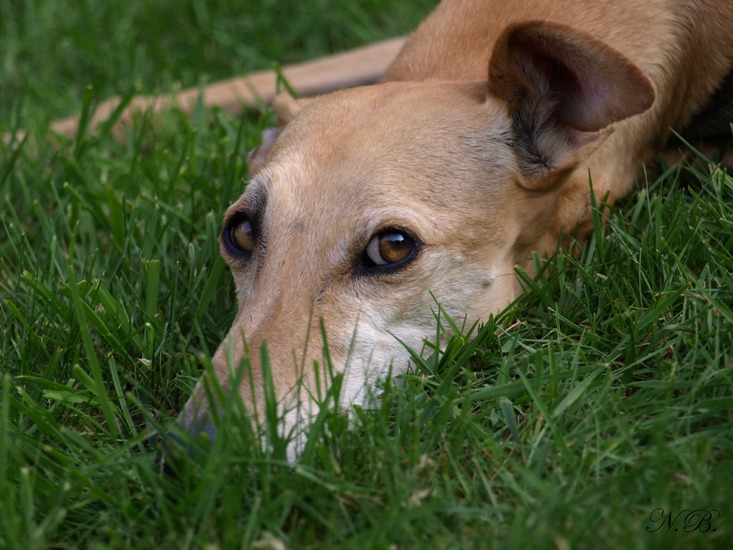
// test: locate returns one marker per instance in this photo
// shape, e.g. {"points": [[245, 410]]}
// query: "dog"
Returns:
{"points": [[476, 148], [363, 65]]}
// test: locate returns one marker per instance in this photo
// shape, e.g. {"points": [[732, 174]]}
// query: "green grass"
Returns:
{"points": [[604, 394]]}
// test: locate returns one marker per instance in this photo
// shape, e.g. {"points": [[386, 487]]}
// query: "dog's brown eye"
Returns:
{"points": [[242, 236], [390, 247]]}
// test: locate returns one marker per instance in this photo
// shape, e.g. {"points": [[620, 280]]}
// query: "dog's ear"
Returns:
{"points": [[285, 108], [564, 88], [257, 156]]}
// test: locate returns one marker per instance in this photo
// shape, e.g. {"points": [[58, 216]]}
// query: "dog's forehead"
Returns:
{"points": [[298, 193], [372, 139], [405, 154], [385, 111]]}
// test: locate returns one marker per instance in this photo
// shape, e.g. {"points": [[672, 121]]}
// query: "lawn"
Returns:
{"points": [[595, 412]]}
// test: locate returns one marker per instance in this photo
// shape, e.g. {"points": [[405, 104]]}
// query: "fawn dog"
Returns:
{"points": [[475, 149]]}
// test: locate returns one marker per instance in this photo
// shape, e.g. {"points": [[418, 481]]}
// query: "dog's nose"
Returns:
{"points": [[184, 443]]}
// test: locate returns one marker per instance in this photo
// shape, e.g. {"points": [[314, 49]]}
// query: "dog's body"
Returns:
{"points": [[474, 151]]}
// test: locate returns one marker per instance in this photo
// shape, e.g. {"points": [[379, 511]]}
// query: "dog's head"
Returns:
{"points": [[373, 203]]}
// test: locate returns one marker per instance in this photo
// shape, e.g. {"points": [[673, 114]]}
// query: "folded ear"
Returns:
{"points": [[564, 88], [285, 108], [256, 157]]}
